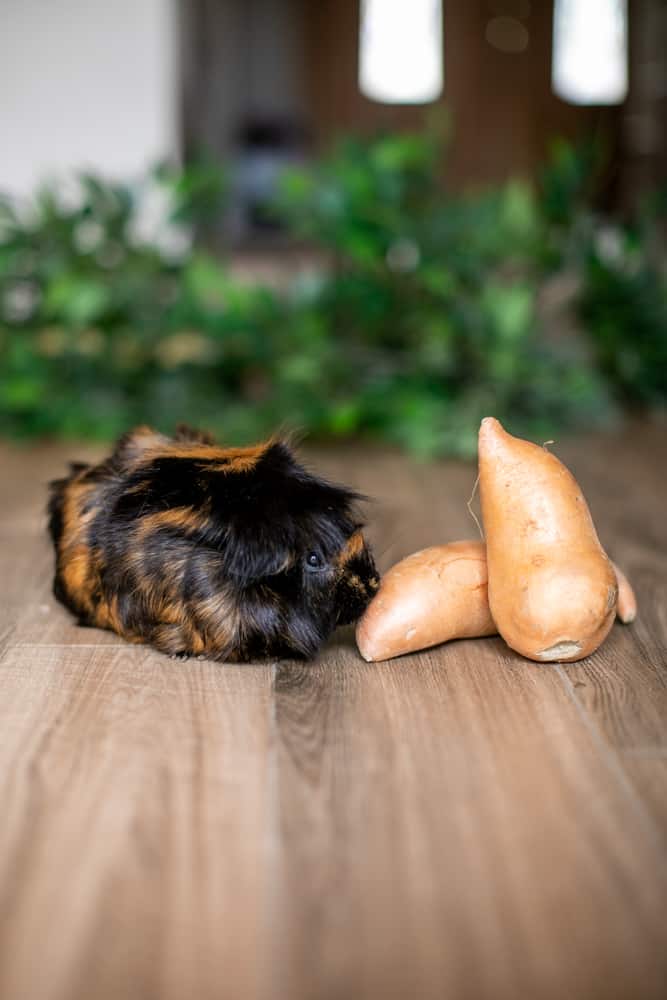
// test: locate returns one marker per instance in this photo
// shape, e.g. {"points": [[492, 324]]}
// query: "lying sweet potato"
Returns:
{"points": [[431, 596]]}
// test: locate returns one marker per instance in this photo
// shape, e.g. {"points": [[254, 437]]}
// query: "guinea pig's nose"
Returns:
{"points": [[354, 596]]}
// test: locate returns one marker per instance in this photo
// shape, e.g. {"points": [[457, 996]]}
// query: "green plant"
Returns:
{"points": [[431, 300], [426, 317], [620, 270], [109, 317], [623, 305]]}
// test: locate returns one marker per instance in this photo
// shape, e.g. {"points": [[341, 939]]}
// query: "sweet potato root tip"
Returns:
{"points": [[627, 602]]}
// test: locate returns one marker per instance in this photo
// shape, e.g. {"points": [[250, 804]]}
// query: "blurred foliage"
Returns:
{"points": [[623, 305], [620, 269], [621, 272], [426, 320], [433, 299], [109, 317]]}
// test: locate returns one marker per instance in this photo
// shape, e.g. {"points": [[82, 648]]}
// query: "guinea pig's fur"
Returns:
{"points": [[224, 553]]}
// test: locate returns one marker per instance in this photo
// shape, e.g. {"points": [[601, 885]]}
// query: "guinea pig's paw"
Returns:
{"points": [[179, 656]]}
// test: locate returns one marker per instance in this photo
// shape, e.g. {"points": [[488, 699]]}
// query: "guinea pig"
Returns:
{"points": [[224, 553]]}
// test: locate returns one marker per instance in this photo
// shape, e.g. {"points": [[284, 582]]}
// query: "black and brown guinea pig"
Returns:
{"points": [[200, 550]]}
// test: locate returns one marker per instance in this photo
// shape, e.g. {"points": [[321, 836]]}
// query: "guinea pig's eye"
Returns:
{"points": [[314, 560]]}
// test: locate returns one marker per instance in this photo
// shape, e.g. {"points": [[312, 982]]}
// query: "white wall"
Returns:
{"points": [[85, 83]]}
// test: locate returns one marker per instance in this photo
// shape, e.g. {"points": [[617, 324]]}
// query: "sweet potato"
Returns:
{"points": [[461, 581], [431, 596], [626, 608], [552, 589]]}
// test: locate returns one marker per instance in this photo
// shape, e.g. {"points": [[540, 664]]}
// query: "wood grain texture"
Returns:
{"points": [[459, 823], [624, 685]]}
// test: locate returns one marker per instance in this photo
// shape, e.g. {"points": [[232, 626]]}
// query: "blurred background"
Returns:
{"points": [[358, 218]]}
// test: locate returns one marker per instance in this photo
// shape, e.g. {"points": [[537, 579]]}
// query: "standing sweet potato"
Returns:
{"points": [[552, 589]]}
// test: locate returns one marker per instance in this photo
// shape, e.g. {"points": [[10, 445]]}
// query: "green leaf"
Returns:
{"points": [[76, 300]]}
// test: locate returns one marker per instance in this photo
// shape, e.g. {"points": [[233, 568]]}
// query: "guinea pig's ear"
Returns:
{"points": [[254, 542], [249, 556], [133, 444], [192, 435], [290, 493]]}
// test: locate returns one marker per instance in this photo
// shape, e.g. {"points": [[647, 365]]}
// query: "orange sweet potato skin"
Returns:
{"points": [[552, 589], [434, 595], [451, 581], [627, 602]]}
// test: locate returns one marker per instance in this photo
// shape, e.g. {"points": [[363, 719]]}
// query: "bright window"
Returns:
{"points": [[400, 51], [590, 51]]}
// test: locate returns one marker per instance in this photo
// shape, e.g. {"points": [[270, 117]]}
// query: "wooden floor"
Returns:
{"points": [[460, 824]]}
